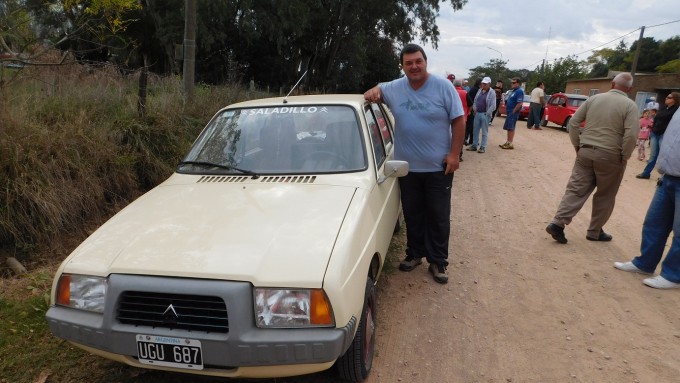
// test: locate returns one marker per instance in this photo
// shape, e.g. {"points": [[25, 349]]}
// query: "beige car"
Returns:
{"points": [[257, 258]]}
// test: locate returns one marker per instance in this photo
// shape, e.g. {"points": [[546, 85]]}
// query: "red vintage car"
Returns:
{"points": [[561, 107]]}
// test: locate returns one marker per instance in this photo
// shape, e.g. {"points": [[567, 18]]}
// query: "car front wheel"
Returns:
{"points": [[356, 363]]}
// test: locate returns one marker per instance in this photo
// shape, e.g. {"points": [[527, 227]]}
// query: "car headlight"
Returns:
{"points": [[292, 308], [81, 292]]}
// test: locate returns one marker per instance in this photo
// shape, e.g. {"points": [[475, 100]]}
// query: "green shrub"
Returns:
{"points": [[74, 149]]}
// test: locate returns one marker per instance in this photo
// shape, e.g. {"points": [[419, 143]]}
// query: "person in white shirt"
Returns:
{"points": [[536, 105], [652, 104]]}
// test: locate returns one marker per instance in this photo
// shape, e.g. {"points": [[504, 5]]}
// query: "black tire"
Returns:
{"points": [[544, 122], [356, 363], [566, 124]]}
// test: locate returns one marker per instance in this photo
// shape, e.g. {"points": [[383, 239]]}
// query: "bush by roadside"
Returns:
{"points": [[73, 148]]}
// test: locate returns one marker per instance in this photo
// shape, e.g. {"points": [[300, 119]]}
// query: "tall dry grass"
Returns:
{"points": [[73, 149]]}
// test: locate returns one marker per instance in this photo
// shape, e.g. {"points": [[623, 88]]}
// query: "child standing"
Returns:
{"points": [[645, 128]]}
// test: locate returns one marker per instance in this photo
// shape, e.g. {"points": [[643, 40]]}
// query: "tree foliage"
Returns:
{"points": [[341, 45]]}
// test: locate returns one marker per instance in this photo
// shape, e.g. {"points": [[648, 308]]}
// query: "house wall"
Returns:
{"points": [[644, 86]]}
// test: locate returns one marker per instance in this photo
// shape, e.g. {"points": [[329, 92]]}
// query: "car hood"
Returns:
{"points": [[279, 234]]}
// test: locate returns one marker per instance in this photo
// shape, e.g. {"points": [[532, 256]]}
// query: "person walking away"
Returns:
{"points": [[663, 217], [603, 148], [483, 105], [499, 96], [661, 120], [536, 105], [513, 104], [465, 100], [429, 135], [645, 129], [469, 123]]}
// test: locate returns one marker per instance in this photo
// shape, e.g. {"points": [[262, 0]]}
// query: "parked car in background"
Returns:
{"points": [[257, 258], [523, 113], [560, 107]]}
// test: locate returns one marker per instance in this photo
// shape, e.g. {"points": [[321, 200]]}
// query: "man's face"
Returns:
{"points": [[486, 86], [414, 66], [514, 84]]}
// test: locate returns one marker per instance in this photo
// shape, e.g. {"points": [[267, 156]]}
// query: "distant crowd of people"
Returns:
{"points": [[437, 118]]}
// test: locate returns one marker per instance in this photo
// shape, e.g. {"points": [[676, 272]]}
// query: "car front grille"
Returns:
{"points": [[174, 311]]}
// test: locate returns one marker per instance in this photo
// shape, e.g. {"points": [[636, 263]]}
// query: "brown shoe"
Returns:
{"points": [[438, 273]]}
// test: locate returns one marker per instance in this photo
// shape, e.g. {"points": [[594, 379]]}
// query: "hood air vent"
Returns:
{"points": [[269, 179]]}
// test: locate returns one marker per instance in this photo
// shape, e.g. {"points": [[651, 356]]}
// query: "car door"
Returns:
{"points": [[560, 109], [385, 198]]}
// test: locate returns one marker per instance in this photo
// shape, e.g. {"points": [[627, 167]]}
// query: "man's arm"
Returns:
{"points": [[518, 106], [575, 125], [374, 94], [631, 129], [452, 160], [491, 104]]}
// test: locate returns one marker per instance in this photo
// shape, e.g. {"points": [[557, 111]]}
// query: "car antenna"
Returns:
{"points": [[294, 86]]}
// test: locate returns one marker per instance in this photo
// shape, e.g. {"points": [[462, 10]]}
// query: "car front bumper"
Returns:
{"points": [[245, 350]]}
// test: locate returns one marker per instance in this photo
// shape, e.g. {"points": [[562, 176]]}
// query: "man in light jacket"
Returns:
{"points": [[484, 107]]}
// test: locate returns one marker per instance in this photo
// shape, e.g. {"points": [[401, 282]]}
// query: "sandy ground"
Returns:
{"points": [[520, 307]]}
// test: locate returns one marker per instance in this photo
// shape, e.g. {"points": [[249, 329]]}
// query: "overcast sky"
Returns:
{"points": [[525, 32]]}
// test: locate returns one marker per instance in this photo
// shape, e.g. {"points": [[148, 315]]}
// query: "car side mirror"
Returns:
{"points": [[394, 168]]}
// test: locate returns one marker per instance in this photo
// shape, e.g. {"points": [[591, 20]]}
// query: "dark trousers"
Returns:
{"points": [[426, 201], [469, 127], [535, 115]]}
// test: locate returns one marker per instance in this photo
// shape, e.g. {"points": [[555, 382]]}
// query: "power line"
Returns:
{"points": [[658, 25], [607, 43], [611, 41]]}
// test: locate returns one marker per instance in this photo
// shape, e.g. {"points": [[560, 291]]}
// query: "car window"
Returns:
{"points": [[576, 102], [379, 152], [527, 98], [297, 139], [385, 129]]}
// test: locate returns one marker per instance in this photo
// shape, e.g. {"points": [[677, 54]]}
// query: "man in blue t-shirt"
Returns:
{"points": [[513, 104], [429, 133]]}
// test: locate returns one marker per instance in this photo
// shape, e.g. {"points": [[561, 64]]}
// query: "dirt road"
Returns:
{"points": [[520, 307]]}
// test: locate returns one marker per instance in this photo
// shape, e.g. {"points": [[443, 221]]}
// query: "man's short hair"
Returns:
{"points": [[623, 79], [458, 82], [539, 83], [411, 48], [517, 80]]}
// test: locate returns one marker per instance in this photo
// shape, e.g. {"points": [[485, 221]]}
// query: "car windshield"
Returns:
{"points": [[279, 140]]}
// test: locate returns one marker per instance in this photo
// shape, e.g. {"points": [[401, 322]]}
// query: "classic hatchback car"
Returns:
{"points": [[561, 107], [257, 258]]}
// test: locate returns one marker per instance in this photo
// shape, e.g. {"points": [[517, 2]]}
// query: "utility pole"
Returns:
{"points": [[189, 47], [633, 68]]}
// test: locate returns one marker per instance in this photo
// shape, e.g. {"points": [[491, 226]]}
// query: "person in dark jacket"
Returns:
{"points": [[661, 120], [469, 123]]}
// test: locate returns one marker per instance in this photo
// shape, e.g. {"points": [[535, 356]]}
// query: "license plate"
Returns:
{"points": [[169, 352]]}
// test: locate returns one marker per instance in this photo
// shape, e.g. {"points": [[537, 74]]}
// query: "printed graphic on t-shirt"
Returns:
{"points": [[410, 105]]}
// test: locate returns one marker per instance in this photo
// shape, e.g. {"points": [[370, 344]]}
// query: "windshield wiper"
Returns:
{"points": [[213, 165]]}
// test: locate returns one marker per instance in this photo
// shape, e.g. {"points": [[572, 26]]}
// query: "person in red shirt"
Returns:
{"points": [[464, 99]]}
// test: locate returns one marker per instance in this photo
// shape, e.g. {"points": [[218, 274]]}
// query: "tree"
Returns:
{"points": [[495, 68], [557, 74], [606, 59], [669, 51], [649, 57]]}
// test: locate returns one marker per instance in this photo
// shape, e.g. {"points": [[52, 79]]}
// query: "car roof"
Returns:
{"points": [[356, 100], [571, 95]]}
